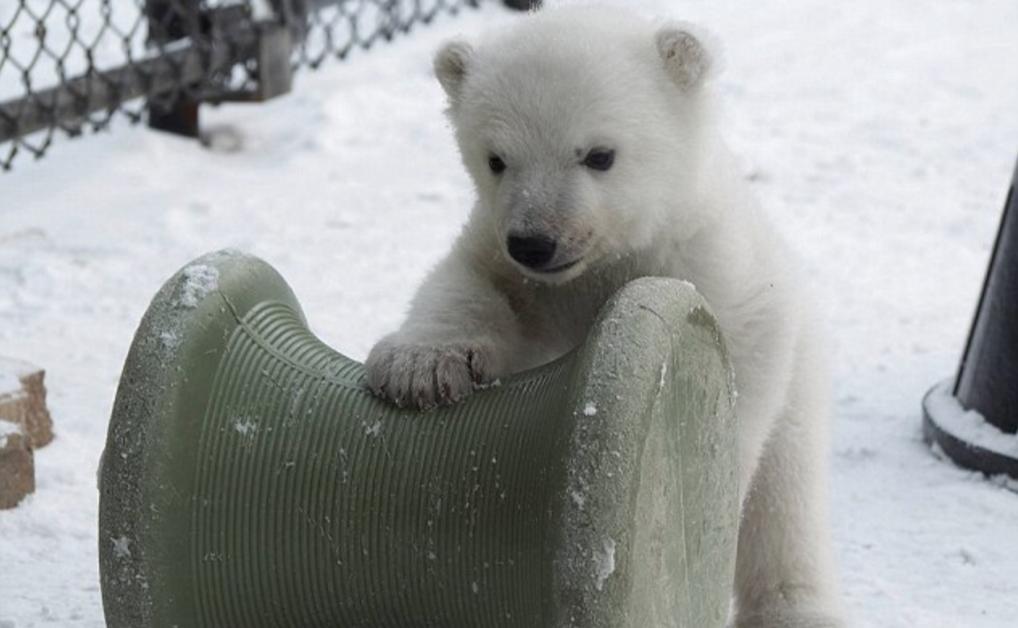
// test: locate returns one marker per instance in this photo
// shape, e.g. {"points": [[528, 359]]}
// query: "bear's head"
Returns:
{"points": [[584, 131]]}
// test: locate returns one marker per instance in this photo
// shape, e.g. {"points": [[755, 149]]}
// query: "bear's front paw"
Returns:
{"points": [[418, 375]]}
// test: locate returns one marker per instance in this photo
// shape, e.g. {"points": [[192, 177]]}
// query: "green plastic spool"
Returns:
{"points": [[250, 481]]}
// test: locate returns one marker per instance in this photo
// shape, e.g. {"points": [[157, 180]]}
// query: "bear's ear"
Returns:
{"points": [[451, 64], [687, 60]]}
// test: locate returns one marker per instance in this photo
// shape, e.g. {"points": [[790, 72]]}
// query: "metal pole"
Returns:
{"points": [[988, 375], [987, 380]]}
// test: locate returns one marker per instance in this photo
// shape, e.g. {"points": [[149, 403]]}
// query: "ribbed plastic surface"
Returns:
{"points": [[363, 498], [250, 481]]}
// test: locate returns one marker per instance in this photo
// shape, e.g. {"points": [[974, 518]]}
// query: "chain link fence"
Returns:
{"points": [[67, 66]]}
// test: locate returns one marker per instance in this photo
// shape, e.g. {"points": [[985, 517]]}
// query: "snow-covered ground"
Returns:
{"points": [[881, 136]]}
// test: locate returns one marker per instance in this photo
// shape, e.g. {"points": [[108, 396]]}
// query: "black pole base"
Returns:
{"points": [[523, 5], [942, 426]]}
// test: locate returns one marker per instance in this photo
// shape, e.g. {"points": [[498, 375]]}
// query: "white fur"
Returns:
{"points": [[539, 96]]}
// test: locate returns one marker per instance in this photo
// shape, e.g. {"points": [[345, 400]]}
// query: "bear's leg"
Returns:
{"points": [[459, 335], [784, 570]]}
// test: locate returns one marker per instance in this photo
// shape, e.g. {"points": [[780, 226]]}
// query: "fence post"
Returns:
{"points": [[169, 21], [523, 5]]}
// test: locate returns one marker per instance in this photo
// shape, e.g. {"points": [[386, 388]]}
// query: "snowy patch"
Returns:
{"points": [[170, 340], [604, 562], [486, 385], [9, 383], [1005, 482], [578, 498], [968, 425], [8, 429], [12, 370], [732, 386], [590, 409], [661, 378], [374, 429], [245, 426], [199, 281], [121, 547]]}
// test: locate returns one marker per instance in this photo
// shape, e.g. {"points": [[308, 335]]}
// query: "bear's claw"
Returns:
{"points": [[425, 376]]}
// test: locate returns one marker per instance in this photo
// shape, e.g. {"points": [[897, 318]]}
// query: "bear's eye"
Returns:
{"points": [[600, 159], [496, 164]]}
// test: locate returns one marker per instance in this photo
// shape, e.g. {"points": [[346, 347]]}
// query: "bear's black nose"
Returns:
{"points": [[531, 251]]}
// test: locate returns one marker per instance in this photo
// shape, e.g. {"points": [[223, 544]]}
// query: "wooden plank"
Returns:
{"points": [[23, 400], [17, 468]]}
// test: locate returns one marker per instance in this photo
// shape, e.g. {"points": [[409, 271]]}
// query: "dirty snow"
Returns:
{"points": [[880, 135]]}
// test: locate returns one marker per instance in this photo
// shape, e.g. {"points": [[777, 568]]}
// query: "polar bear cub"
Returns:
{"points": [[589, 135]]}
